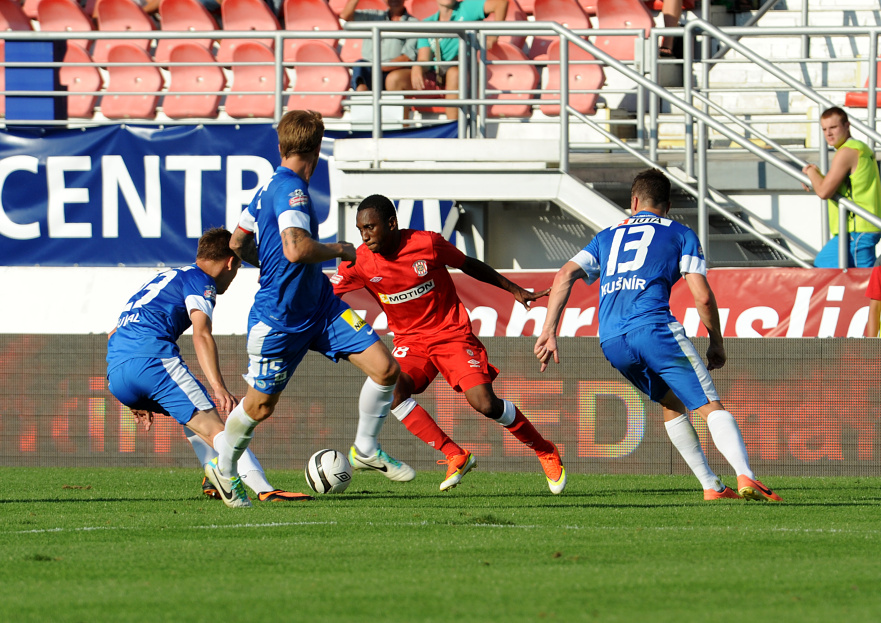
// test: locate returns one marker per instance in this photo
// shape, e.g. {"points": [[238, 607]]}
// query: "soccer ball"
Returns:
{"points": [[328, 471]]}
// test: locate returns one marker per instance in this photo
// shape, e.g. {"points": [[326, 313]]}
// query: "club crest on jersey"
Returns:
{"points": [[210, 293], [421, 267], [297, 198], [470, 352]]}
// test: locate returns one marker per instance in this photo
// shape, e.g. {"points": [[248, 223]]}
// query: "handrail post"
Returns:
{"points": [[564, 104], [376, 79], [463, 76], [872, 100], [279, 77], [843, 237], [688, 81]]}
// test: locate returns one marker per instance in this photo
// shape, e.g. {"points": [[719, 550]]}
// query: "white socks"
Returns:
{"points": [[726, 435], [252, 473], [373, 407], [404, 409], [203, 450], [686, 441], [233, 441], [249, 467], [508, 414]]}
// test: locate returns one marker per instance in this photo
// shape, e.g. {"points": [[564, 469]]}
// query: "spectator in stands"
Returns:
{"points": [[393, 49], [672, 12], [853, 174], [447, 48]]}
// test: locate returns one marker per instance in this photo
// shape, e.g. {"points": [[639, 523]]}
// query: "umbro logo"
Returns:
{"points": [[376, 280]]}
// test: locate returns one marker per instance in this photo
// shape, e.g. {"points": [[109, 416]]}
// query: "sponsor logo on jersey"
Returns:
{"points": [[376, 280], [407, 295], [298, 198], [210, 293], [354, 320], [643, 220], [631, 283], [421, 267]]}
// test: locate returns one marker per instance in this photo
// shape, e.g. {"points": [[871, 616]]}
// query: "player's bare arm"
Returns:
{"points": [[874, 323], [843, 164], [708, 310], [244, 244], [206, 353], [484, 272], [546, 345], [301, 248]]}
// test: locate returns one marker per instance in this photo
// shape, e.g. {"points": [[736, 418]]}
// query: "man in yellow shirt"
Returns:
{"points": [[854, 175]]}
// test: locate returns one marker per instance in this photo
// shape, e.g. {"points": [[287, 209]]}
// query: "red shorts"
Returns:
{"points": [[462, 361]]}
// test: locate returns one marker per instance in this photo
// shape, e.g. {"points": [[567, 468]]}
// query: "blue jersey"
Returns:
{"points": [[637, 262], [157, 315], [292, 296]]}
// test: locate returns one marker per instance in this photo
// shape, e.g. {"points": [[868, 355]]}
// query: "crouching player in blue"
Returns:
{"points": [[637, 262], [147, 374]]}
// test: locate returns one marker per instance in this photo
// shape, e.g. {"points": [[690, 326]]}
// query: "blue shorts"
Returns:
{"points": [[365, 75], [159, 385], [659, 357], [860, 252], [274, 354]]}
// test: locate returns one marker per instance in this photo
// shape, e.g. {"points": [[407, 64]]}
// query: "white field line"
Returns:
{"points": [[452, 525]]}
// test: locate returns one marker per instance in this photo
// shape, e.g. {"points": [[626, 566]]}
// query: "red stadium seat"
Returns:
{"points": [[337, 6], [252, 78], [657, 5], [860, 99], [80, 79], [209, 79], [183, 15], [514, 14], [420, 9], [308, 15], [64, 16], [143, 78], [12, 17], [622, 14], [581, 77], [29, 8], [589, 6], [326, 78], [565, 12], [528, 6], [119, 16], [510, 78], [245, 15]]}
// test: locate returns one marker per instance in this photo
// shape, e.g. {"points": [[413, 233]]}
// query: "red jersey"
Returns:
{"points": [[412, 286]]}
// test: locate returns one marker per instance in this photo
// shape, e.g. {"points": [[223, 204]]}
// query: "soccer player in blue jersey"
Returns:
{"points": [[146, 372], [637, 262], [295, 309]]}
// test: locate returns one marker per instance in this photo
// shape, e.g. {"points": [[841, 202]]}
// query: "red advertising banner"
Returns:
{"points": [[772, 302]]}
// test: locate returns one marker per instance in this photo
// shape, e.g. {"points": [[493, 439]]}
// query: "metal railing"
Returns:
{"points": [[696, 100]]}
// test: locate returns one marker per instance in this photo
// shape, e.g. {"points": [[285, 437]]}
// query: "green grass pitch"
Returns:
{"points": [[91, 545]]}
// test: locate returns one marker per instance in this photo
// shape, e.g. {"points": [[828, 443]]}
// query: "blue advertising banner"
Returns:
{"points": [[138, 196]]}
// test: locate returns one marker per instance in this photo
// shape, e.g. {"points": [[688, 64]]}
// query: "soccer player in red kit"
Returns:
{"points": [[406, 272]]}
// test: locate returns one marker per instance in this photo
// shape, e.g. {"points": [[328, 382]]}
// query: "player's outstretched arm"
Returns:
{"points": [[484, 272], [708, 310], [546, 345], [244, 244], [206, 353], [301, 248]]}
